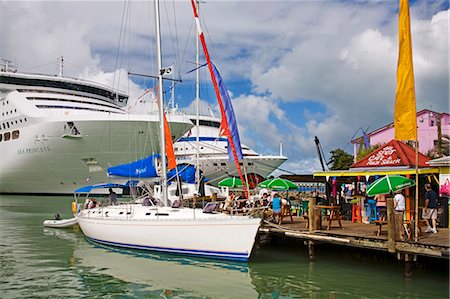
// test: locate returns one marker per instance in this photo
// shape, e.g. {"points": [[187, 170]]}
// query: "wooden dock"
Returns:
{"points": [[362, 235], [318, 227]]}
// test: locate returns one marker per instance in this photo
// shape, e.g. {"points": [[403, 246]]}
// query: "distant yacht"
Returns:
{"points": [[58, 133], [214, 161]]}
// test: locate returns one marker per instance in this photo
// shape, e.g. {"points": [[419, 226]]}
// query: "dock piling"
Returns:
{"points": [[391, 225], [311, 255]]}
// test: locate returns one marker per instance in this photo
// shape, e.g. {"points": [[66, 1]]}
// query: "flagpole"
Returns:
{"points": [[405, 114], [416, 206]]}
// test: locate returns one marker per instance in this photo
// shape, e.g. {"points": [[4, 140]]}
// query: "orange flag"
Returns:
{"points": [[405, 122], [171, 162], [170, 154]]}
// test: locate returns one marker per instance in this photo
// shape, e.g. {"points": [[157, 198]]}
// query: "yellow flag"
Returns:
{"points": [[405, 122]]}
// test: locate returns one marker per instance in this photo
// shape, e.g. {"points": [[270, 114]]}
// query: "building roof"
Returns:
{"points": [[442, 162], [393, 154]]}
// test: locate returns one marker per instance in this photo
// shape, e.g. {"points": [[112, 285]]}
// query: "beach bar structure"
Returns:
{"points": [[324, 225], [394, 158]]}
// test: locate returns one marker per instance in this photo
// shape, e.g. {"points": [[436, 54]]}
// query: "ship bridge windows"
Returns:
{"points": [[76, 108], [75, 101], [7, 136], [65, 85], [207, 123], [15, 134]]}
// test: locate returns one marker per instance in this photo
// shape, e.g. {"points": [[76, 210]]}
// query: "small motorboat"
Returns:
{"points": [[61, 223]]}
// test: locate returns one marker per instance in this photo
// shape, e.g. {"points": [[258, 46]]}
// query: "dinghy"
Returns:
{"points": [[61, 223]]}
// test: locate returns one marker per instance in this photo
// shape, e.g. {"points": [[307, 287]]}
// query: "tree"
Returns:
{"points": [[340, 159], [441, 147], [364, 152]]}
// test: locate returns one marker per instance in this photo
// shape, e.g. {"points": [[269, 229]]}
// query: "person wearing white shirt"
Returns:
{"points": [[399, 208], [399, 202]]}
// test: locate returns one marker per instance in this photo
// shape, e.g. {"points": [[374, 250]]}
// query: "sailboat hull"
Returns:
{"points": [[170, 230]]}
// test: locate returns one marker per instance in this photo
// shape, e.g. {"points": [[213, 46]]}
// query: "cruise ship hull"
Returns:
{"points": [[57, 134], [45, 160]]}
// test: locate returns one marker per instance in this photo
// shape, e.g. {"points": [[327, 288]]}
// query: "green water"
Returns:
{"points": [[38, 262]]}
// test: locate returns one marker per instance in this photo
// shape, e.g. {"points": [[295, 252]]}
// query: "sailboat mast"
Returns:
{"points": [[161, 105], [197, 105]]}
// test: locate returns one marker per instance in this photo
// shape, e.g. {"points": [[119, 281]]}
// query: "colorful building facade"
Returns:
{"points": [[427, 130]]}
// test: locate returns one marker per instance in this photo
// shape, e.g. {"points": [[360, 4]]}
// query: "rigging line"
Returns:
{"points": [[176, 44], [122, 24], [72, 64], [125, 37], [174, 41], [37, 66], [122, 43], [188, 39]]}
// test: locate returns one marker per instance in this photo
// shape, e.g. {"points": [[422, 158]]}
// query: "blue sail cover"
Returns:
{"points": [[88, 189], [186, 173], [144, 168], [231, 120]]}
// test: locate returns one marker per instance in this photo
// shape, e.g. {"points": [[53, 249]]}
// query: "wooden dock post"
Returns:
{"points": [[408, 265], [214, 197], [312, 214], [311, 256], [391, 225]]}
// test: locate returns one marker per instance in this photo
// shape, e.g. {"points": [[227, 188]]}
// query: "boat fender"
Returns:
{"points": [[74, 207]]}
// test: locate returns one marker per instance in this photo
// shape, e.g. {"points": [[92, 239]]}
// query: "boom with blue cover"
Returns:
{"points": [[143, 168]]}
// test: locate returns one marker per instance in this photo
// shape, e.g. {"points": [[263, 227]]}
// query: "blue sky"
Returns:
{"points": [[295, 69]]}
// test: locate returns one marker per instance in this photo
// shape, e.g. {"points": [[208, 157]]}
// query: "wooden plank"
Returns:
{"points": [[317, 237], [414, 249]]}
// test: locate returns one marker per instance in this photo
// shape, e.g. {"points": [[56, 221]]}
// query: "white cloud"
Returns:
{"points": [[341, 55]]}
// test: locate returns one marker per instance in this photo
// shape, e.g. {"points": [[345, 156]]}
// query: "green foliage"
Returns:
{"points": [[364, 152], [441, 147], [340, 159]]}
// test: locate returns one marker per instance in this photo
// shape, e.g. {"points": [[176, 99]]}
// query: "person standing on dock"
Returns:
{"points": [[429, 209], [381, 206], [399, 208], [399, 202], [276, 207]]}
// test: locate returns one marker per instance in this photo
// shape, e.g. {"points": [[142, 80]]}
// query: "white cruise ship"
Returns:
{"points": [[213, 153], [59, 133]]}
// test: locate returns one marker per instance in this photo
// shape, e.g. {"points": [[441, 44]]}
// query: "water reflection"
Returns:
{"points": [[46, 263], [168, 274]]}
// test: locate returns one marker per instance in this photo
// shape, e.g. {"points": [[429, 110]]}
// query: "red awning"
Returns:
{"points": [[393, 154]]}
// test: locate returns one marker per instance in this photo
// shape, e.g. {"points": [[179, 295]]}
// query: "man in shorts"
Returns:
{"points": [[430, 209]]}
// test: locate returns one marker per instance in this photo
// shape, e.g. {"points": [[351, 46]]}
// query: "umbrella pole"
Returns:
{"points": [[416, 208]]}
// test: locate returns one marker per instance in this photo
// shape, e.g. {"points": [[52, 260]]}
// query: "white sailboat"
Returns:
{"points": [[174, 230]]}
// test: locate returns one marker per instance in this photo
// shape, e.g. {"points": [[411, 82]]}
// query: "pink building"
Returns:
{"points": [[427, 130]]}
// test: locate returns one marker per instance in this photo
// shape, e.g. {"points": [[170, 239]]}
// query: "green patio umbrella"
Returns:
{"points": [[388, 184], [278, 184], [231, 182]]}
